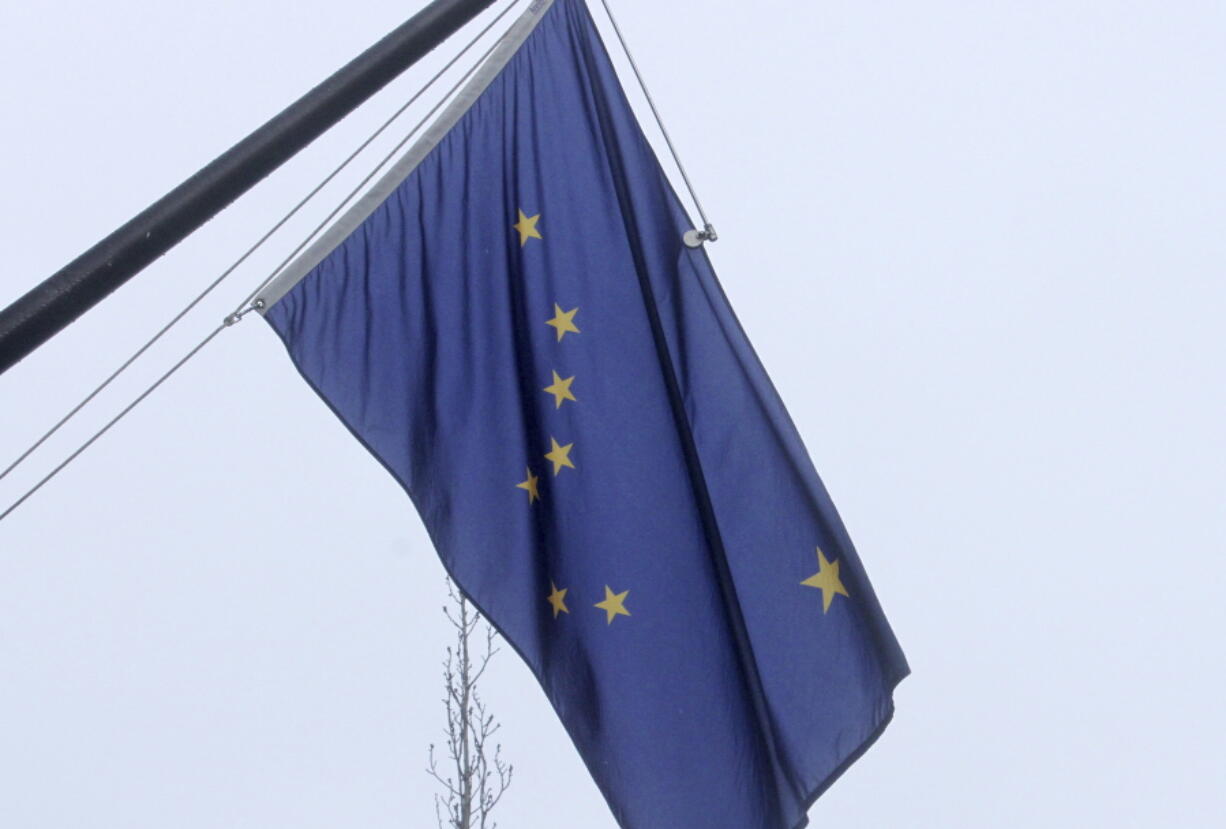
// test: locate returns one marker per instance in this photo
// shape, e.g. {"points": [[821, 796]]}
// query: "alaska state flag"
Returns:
{"points": [[512, 324]]}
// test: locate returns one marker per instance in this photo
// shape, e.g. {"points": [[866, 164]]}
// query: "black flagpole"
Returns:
{"points": [[48, 308]]}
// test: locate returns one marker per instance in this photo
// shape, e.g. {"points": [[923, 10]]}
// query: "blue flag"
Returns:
{"points": [[514, 327]]}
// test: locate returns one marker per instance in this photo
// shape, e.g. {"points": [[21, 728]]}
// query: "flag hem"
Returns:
{"points": [[829, 780]]}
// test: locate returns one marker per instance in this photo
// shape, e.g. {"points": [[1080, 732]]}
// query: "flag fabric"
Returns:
{"points": [[515, 329]]}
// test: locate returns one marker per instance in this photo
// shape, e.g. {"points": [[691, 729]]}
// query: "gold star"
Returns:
{"points": [[557, 599], [527, 228], [530, 485], [826, 579], [560, 455], [561, 390], [613, 604], [564, 321]]}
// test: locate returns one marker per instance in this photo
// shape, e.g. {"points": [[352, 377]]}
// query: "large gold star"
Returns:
{"points": [[561, 390], [557, 599], [527, 228], [560, 455], [530, 485], [826, 579], [614, 603], [564, 321]]}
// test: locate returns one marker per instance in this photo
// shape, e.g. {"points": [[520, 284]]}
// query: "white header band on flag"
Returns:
{"points": [[331, 238]]}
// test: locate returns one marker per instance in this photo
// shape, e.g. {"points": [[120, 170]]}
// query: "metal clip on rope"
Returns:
{"points": [[237, 316], [695, 238], [692, 238]]}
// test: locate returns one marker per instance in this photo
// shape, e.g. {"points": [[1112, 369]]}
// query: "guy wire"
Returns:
{"points": [[246, 306], [281, 223]]}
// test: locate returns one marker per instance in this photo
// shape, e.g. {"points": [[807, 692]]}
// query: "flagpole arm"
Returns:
{"points": [[49, 307]]}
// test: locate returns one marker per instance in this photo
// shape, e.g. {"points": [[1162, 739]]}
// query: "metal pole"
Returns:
{"points": [[45, 310]]}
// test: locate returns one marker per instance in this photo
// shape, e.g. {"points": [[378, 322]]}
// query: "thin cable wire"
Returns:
{"points": [[112, 422], [654, 111], [245, 304], [314, 192]]}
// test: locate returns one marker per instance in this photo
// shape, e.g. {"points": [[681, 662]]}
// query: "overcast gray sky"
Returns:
{"points": [[980, 248]]}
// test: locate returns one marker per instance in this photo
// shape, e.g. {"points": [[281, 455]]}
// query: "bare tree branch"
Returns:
{"points": [[480, 779]]}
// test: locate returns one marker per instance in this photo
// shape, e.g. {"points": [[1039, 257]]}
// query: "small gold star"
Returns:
{"points": [[527, 228], [560, 455], [614, 603], [561, 390], [564, 321], [826, 579], [530, 485], [557, 599]]}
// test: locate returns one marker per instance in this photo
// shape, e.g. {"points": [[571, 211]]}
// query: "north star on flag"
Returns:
{"points": [[512, 324]]}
